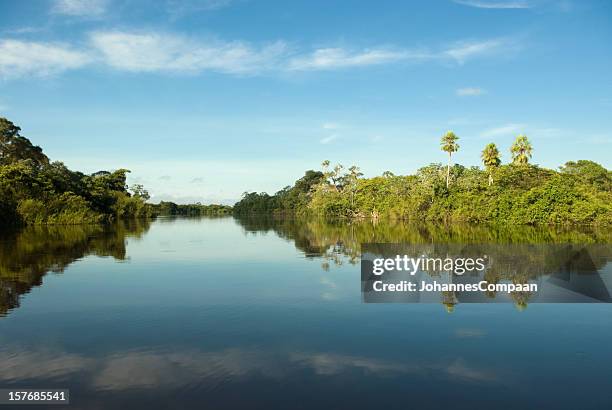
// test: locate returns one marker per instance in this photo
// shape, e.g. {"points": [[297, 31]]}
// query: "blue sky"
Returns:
{"points": [[204, 100]]}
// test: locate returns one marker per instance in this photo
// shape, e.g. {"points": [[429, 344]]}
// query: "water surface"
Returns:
{"points": [[264, 313]]}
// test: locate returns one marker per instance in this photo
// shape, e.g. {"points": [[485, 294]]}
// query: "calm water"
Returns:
{"points": [[220, 313]]}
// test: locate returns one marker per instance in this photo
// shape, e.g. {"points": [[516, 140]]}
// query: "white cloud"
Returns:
{"points": [[331, 58], [336, 58], [330, 126], [504, 130], [464, 50], [483, 4], [167, 52], [18, 58], [328, 139], [158, 52], [470, 91], [80, 8]]}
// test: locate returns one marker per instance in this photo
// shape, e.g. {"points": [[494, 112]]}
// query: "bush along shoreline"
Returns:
{"points": [[579, 192]]}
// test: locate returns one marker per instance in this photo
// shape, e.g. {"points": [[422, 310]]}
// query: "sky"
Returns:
{"points": [[204, 100]]}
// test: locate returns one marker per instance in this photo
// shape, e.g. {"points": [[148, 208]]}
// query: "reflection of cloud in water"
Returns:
{"points": [[331, 364], [161, 369], [331, 288], [469, 333], [149, 369], [459, 369], [22, 365]]}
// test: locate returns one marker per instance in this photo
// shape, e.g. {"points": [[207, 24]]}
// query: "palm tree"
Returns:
{"points": [[449, 144], [521, 150], [490, 159]]}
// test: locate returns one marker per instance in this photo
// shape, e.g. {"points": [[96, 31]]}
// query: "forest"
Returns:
{"points": [[579, 192], [35, 190], [166, 208]]}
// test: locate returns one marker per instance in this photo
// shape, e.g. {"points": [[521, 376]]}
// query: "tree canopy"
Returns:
{"points": [[34, 190]]}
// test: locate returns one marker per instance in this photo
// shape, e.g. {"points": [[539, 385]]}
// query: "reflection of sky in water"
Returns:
{"points": [[203, 315]]}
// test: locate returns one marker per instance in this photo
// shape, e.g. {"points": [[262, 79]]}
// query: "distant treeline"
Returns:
{"points": [[579, 192], [170, 208], [34, 190]]}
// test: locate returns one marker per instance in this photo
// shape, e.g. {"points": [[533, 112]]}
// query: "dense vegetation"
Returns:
{"points": [[519, 193], [171, 209], [34, 190], [287, 200]]}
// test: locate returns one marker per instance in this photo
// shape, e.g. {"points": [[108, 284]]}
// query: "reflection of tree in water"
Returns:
{"points": [[339, 241], [27, 255]]}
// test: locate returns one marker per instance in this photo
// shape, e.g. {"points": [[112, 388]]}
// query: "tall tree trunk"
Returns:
{"points": [[448, 169], [490, 178]]}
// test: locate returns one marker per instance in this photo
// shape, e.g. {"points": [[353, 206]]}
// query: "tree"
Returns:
{"points": [[310, 179], [350, 180], [139, 191], [14, 147], [521, 150], [490, 159], [589, 172], [334, 175], [449, 144]]}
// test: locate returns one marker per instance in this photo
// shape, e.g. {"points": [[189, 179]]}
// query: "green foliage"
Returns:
{"points": [[172, 209], [449, 144], [590, 173], [521, 150], [289, 199], [490, 156], [35, 191], [522, 194], [490, 159], [14, 147]]}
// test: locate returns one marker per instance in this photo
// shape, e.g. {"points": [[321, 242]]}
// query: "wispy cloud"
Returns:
{"points": [[157, 52], [599, 139], [179, 8], [23, 30], [330, 126], [80, 8], [464, 50], [470, 91], [484, 4], [504, 130], [337, 58], [19, 58], [169, 52], [328, 139], [332, 58]]}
